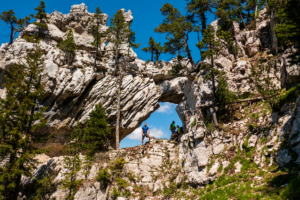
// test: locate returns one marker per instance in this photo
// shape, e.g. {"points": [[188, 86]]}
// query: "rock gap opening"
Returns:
{"points": [[158, 122]]}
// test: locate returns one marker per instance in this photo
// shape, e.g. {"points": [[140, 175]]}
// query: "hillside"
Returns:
{"points": [[253, 154]]}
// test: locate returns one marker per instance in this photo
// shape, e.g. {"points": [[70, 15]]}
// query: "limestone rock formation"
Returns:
{"points": [[202, 153]]}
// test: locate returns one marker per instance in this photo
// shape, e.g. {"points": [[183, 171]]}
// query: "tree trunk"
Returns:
{"points": [[97, 44], [11, 33], [189, 52], [17, 189], [255, 14], [118, 103], [214, 114], [203, 23], [107, 192], [152, 54]]}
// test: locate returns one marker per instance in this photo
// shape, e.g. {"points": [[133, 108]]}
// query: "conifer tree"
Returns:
{"points": [[158, 51], [230, 43], [210, 48], [154, 48], [178, 27], [41, 17], [118, 32], [98, 19], [130, 40], [96, 131], [16, 25], [20, 114], [151, 47], [288, 30], [264, 85], [174, 46], [197, 10], [72, 163], [68, 45]]}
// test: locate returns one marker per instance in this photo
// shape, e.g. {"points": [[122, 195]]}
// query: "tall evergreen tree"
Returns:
{"points": [[158, 51], [197, 12], [98, 19], [151, 48], [20, 114], [178, 27], [72, 163], [96, 131], [154, 48], [41, 17], [118, 32], [68, 45], [288, 30], [16, 25], [210, 48]]}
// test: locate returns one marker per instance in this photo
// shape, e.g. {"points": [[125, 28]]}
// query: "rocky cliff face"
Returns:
{"points": [[202, 154]]}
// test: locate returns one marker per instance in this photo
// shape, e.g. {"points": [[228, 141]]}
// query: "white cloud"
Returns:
{"points": [[165, 108], [154, 132]]}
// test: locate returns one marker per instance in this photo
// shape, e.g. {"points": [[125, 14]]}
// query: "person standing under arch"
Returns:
{"points": [[145, 133]]}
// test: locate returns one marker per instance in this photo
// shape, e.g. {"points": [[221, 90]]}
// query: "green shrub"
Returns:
{"points": [[104, 177], [193, 123], [288, 96]]}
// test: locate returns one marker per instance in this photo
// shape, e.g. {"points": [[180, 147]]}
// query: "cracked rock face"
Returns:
{"points": [[74, 90]]}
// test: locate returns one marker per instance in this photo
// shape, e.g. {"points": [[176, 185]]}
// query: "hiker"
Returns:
{"points": [[178, 132], [145, 133], [172, 128]]}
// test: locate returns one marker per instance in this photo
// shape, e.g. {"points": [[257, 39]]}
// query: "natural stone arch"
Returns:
{"points": [[140, 98]]}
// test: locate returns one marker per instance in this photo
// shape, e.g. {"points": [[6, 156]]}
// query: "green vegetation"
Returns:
{"points": [[68, 46], [288, 30], [96, 131], [72, 163], [98, 20], [193, 123], [41, 17], [210, 48], [20, 115], [155, 49], [119, 32], [15, 25], [288, 96], [264, 84], [178, 29]]}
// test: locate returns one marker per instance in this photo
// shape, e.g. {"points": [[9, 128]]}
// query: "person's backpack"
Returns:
{"points": [[172, 126], [181, 130]]}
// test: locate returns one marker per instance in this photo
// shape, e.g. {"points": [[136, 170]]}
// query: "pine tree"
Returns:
{"points": [[197, 10], [288, 30], [68, 45], [230, 43], [151, 47], [178, 27], [20, 114], [96, 131], [98, 19], [158, 51], [72, 163], [224, 97], [130, 41], [210, 48], [41, 17], [154, 48], [16, 25], [264, 85], [118, 32]]}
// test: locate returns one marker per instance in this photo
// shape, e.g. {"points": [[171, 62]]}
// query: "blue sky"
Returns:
{"points": [[158, 122], [147, 17], [146, 13]]}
